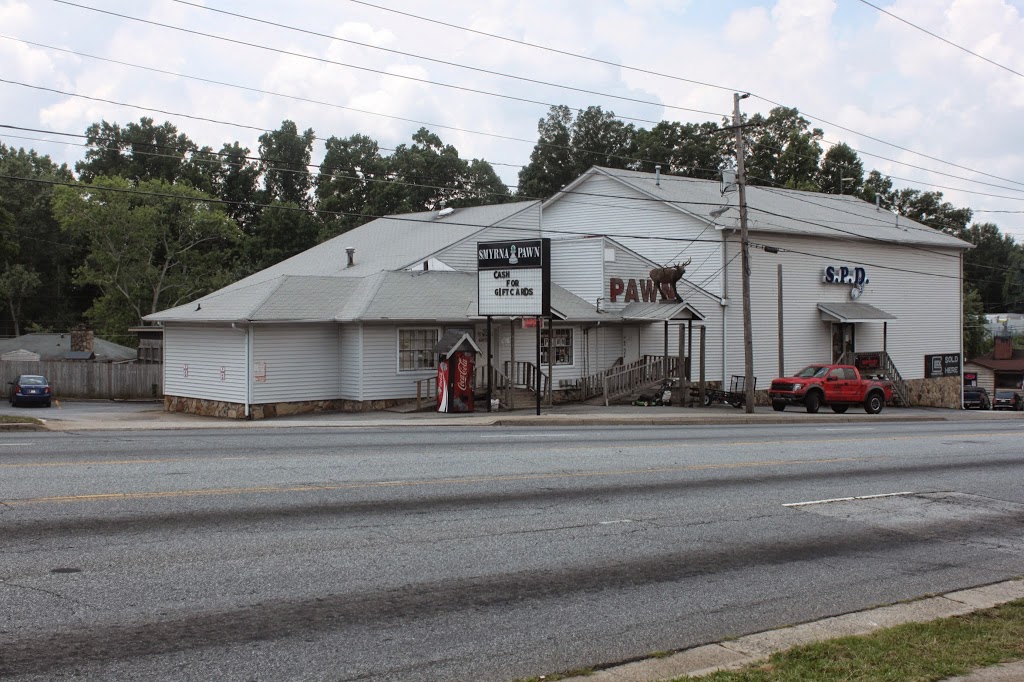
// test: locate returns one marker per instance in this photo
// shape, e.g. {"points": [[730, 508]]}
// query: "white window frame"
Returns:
{"points": [[431, 354], [571, 346]]}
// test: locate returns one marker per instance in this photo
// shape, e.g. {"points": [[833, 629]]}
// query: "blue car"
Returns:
{"points": [[31, 389]]}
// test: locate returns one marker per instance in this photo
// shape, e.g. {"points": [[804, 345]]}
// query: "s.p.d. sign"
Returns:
{"points": [[514, 278]]}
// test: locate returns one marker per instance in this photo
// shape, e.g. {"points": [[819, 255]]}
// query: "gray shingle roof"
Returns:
{"points": [[785, 211], [397, 296], [57, 346], [390, 243]]}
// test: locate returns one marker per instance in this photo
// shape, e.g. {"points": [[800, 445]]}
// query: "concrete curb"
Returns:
{"points": [[733, 654], [23, 427], [180, 422]]}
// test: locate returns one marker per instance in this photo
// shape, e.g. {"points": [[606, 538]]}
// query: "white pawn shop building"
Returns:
{"points": [[351, 323]]}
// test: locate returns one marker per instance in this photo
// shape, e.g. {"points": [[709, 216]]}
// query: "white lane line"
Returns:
{"points": [[11, 445], [608, 523], [847, 499]]}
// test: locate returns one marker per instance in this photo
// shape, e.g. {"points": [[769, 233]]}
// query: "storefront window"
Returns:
{"points": [[1009, 380], [563, 346], [416, 349]]}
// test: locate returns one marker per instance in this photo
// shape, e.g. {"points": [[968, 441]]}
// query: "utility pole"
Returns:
{"points": [[741, 181]]}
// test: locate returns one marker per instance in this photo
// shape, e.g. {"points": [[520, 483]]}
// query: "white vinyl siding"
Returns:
{"points": [[381, 378], [205, 362], [350, 359], [300, 362], [635, 220], [523, 225], [576, 266], [926, 302]]}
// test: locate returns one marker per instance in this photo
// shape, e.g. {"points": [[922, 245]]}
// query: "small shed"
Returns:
{"points": [[455, 342]]}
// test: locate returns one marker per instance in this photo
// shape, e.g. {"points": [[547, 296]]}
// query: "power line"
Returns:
{"points": [[467, 67], [685, 80], [945, 40], [381, 72], [570, 192], [399, 218], [553, 50], [536, 143], [214, 200]]}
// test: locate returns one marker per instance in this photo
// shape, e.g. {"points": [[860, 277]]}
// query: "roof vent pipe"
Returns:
{"points": [[878, 201], [350, 251], [657, 175]]}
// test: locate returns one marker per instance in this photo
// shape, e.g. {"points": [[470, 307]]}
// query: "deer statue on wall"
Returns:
{"points": [[670, 276]]}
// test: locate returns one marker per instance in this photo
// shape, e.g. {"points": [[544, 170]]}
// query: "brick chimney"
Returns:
{"points": [[81, 339], [1003, 349]]}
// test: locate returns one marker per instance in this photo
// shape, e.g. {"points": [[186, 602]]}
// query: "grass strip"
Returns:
{"points": [[914, 652], [15, 419]]}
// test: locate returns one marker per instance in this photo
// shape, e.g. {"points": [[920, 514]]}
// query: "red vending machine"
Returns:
{"points": [[456, 372]]}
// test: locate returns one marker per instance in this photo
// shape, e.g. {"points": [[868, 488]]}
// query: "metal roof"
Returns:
{"points": [[777, 210], [654, 312], [396, 296], [852, 312], [390, 243]]}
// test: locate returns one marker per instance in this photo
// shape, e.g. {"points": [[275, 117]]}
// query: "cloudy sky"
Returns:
{"points": [[841, 62]]}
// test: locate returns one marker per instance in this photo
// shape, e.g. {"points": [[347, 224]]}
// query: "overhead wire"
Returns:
{"points": [[406, 219], [751, 207], [367, 69], [943, 39], [536, 143], [696, 82]]}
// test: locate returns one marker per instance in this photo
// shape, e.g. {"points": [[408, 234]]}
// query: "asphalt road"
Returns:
{"points": [[483, 554]]}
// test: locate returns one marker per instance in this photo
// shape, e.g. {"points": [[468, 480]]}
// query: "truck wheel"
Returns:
{"points": [[778, 405], [874, 403], [840, 409], [812, 402], [707, 400]]}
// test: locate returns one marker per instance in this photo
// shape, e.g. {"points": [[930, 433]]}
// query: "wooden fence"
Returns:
{"points": [[103, 380]]}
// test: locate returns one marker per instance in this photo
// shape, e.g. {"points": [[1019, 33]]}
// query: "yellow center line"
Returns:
{"points": [[204, 492]]}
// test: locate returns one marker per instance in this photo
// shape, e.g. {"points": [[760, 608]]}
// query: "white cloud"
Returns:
{"points": [[842, 61]]}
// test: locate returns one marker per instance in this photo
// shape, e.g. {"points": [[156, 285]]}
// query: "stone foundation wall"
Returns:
{"points": [[225, 410], [944, 392]]}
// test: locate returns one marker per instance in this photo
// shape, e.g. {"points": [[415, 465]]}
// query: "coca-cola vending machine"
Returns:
{"points": [[455, 383], [456, 366]]}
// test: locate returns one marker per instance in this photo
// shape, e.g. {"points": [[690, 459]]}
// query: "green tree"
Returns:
{"points": [[841, 172], [551, 166], [693, 150], [283, 230], [138, 151], [16, 283], [144, 253], [32, 239], [976, 338], [284, 162], [783, 150]]}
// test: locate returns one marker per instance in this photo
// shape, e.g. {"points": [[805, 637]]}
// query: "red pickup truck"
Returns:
{"points": [[837, 386]]}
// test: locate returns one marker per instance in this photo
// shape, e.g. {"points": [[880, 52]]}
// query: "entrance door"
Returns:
{"points": [[843, 336], [630, 344]]}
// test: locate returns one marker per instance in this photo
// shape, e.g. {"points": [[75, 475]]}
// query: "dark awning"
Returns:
{"points": [[852, 312]]}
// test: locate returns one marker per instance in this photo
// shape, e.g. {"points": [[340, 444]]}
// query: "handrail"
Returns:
{"points": [[527, 375], [649, 369], [900, 389], [425, 389]]}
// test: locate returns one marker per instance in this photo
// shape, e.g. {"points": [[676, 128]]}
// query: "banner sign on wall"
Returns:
{"points": [[514, 278], [945, 365]]}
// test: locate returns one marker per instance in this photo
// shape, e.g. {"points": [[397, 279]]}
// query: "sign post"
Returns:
{"points": [[514, 280]]}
